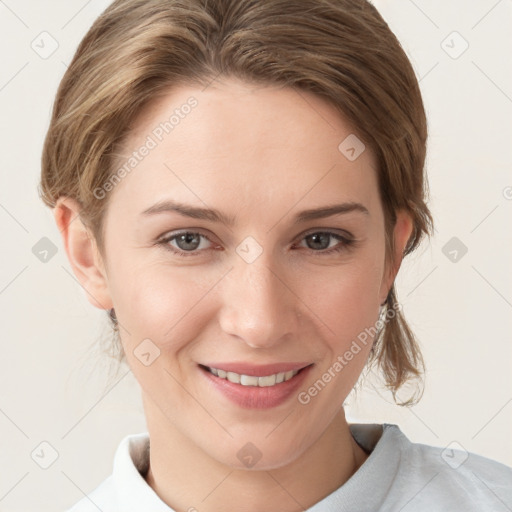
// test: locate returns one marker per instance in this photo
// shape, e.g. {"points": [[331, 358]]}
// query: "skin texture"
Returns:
{"points": [[261, 155]]}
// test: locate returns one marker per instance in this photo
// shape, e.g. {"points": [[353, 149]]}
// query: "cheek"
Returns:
{"points": [[345, 299], [347, 302], [160, 303]]}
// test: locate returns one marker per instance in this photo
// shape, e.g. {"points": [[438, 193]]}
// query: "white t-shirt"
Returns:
{"points": [[398, 475]]}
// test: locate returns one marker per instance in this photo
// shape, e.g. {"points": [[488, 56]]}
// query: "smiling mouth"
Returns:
{"points": [[253, 380]]}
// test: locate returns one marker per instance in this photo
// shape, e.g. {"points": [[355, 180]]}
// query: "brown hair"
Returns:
{"points": [[341, 50]]}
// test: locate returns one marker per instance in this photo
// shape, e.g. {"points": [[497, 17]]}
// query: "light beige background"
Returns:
{"points": [[52, 383]]}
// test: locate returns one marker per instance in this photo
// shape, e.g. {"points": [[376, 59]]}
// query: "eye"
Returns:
{"points": [[190, 243], [321, 240]]}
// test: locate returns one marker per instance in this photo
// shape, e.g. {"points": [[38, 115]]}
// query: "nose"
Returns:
{"points": [[259, 306]]}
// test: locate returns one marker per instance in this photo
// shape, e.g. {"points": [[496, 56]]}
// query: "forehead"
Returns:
{"points": [[247, 144]]}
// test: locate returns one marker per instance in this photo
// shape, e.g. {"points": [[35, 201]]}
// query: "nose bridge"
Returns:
{"points": [[257, 305]]}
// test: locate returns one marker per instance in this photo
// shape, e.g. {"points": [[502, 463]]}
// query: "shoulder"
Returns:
{"points": [[451, 477]]}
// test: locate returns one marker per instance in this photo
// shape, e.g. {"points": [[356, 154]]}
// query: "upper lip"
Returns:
{"points": [[258, 370]]}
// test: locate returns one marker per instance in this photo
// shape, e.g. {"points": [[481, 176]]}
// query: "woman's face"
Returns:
{"points": [[254, 288]]}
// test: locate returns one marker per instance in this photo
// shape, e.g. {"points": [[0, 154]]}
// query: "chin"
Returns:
{"points": [[257, 453]]}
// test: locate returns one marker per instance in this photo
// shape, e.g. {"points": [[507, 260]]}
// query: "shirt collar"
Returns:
{"points": [[134, 494], [131, 461], [367, 488]]}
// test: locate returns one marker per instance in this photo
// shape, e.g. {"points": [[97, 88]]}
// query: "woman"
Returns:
{"points": [[237, 184]]}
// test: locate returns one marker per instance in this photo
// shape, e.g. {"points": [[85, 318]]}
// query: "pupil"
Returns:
{"points": [[325, 236], [187, 237]]}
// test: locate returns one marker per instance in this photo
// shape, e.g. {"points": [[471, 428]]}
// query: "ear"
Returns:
{"points": [[401, 233], [82, 252]]}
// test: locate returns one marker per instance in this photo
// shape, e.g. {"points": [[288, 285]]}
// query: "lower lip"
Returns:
{"points": [[255, 397]]}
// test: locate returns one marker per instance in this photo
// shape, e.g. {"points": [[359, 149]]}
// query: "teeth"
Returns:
{"points": [[252, 380], [248, 380], [267, 381], [233, 377]]}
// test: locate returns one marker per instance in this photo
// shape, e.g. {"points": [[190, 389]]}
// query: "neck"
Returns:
{"points": [[186, 478]]}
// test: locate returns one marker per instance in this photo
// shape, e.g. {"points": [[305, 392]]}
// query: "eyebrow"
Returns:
{"points": [[211, 214]]}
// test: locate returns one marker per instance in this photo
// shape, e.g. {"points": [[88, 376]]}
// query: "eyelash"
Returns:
{"points": [[346, 245]]}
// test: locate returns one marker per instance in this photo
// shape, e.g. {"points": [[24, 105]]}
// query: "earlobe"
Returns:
{"points": [[82, 252]]}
